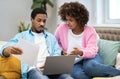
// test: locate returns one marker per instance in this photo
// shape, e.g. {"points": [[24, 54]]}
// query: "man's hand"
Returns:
{"points": [[12, 50]]}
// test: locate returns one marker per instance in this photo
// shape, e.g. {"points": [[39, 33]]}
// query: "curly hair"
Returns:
{"points": [[75, 10]]}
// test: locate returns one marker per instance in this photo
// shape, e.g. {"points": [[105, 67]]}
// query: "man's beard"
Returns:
{"points": [[42, 29]]}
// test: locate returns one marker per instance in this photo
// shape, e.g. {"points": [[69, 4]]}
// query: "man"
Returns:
{"points": [[48, 45]]}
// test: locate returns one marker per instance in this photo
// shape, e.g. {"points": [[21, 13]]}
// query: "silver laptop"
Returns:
{"points": [[59, 65]]}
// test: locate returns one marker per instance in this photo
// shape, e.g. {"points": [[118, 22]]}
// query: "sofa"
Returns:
{"points": [[109, 46]]}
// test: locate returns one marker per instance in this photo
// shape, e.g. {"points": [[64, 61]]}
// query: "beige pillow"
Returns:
{"points": [[117, 65]]}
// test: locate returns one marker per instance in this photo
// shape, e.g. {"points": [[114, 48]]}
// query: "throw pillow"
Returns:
{"points": [[117, 65], [108, 50], [10, 68]]}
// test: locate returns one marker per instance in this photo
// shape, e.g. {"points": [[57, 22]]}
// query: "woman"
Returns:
{"points": [[77, 38]]}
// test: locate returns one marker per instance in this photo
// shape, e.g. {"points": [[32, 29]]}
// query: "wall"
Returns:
{"points": [[11, 13], [52, 17], [14, 11]]}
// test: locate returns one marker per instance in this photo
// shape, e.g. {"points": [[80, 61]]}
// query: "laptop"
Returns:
{"points": [[59, 65]]}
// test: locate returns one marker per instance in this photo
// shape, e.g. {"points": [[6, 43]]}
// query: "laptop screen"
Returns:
{"points": [[59, 65]]}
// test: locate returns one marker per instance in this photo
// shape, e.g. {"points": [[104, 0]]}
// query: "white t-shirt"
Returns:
{"points": [[74, 41], [43, 51]]}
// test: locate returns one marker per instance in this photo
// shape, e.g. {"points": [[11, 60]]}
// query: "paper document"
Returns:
{"points": [[30, 52]]}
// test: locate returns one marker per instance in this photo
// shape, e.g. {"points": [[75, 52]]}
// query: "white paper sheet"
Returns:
{"points": [[30, 52]]}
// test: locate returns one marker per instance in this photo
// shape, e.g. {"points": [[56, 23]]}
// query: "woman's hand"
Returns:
{"points": [[76, 51]]}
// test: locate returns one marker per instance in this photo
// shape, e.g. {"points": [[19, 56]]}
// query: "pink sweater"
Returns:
{"points": [[89, 41]]}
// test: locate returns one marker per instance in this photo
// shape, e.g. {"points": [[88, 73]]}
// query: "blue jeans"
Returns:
{"points": [[36, 74], [88, 68]]}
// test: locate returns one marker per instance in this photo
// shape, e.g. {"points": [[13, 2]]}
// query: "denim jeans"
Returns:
{"points": [[36, 74], [94, 67]]}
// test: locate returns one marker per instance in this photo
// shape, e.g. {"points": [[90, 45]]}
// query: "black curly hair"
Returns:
{"points": [[75, 10]]}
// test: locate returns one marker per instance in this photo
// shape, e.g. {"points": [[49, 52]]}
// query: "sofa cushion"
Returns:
{"points": [[10, 68], [108, 50]]}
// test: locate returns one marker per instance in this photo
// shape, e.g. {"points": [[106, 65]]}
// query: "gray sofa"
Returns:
{"points": [[109, 46], [110, 35], [109, 40]]}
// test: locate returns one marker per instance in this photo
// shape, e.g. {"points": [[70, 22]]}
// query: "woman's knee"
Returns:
{"points": [[90, 65]]}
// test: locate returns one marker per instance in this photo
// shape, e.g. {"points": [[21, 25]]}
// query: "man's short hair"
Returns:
{"points": [[38, 11]]}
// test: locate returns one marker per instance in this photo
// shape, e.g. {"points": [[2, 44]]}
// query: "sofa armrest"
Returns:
{"points": [[2, 43]]}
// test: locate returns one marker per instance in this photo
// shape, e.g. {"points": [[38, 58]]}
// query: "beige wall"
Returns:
{"points": [[11, 13], [14, 11]]}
